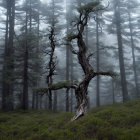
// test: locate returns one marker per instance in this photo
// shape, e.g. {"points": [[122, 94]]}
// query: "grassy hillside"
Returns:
{"points": [[111, 122]]}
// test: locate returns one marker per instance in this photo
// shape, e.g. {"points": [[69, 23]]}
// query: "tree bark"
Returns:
{"points": [[81, 90]]}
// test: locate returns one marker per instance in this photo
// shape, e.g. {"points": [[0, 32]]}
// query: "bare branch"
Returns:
{"points": [[60, 85], [111, 74], [89, 56]]}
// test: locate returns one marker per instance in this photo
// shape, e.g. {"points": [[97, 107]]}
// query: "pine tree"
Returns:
{"points": [[8, 64], [28, 51]]}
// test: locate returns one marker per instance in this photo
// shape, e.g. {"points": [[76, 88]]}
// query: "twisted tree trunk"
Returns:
{"points": [[81, 90], [82, 87]]}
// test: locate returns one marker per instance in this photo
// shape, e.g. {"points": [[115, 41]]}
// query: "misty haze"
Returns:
{"points": [[69, 70]]}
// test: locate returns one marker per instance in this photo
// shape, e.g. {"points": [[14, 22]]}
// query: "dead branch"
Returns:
{"points": [[111, 74]]}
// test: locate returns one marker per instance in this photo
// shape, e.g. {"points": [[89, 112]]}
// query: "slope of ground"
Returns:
{"points": [[111, 122]]}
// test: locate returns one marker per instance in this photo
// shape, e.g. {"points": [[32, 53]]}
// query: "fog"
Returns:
{"points": [[56, 53]]}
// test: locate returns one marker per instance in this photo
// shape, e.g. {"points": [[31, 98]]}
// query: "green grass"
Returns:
{"points": [[111, 122]]}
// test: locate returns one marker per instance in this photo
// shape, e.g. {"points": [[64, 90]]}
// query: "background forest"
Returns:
{"points": [[34, 53]]}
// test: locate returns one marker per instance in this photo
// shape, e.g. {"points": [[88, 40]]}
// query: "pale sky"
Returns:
{"points": [[45, 0]]}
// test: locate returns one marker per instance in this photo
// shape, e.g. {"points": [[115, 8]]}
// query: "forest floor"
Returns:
{"points": [[112, 122]]}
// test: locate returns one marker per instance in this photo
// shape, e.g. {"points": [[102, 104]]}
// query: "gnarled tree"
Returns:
{"points": [[89, 73], [51, 65]]}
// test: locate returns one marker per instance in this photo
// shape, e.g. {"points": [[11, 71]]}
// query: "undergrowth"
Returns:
{"points": [[112, 122]]}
